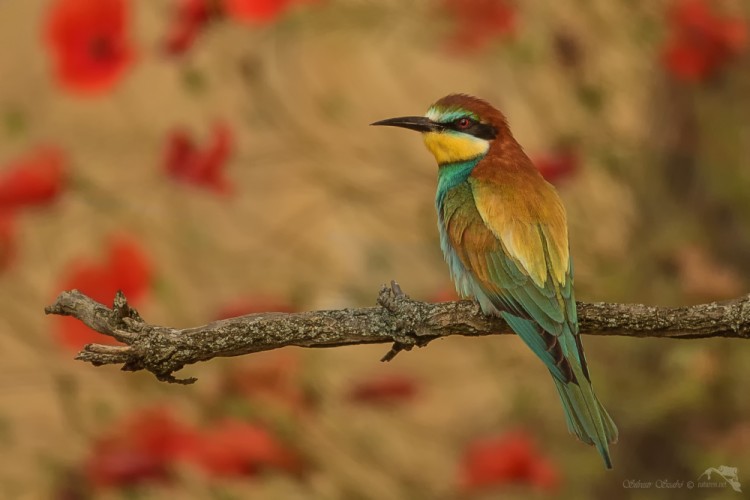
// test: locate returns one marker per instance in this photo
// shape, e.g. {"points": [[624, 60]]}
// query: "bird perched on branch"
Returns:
{"points": [[504, 234]]}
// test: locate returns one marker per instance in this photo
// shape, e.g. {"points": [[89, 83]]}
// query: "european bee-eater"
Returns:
{"points": [[504, 234]]}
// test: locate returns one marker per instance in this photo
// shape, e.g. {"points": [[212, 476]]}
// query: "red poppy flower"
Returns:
{"points": [[189, 20], [89, 43], [479, 22], [446, 294], [272, 382], [256, 11], [384, 390], [259, 11], [140, 449], [702, 42], [157, 432], [7, 239], [184, 162], [34, 179], [559, 164], [233, 447], [507, 459], [125, 268]]}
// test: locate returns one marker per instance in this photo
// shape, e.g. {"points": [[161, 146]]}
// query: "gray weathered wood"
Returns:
{"points": [[398, 319]]}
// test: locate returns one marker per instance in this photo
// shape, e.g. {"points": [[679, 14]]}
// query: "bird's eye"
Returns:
{"points": [[463, 123]]}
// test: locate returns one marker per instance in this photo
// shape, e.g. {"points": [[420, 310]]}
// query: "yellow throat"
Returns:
{"points": [[448, 147]]}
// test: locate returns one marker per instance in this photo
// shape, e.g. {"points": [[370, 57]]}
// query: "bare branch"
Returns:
{"points": [[398, 319]]}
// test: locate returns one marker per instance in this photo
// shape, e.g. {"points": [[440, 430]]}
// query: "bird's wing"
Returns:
{"points": [[522, 264]]}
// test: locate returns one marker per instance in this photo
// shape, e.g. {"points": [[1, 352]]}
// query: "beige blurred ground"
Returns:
{"points": [[326, 211]]}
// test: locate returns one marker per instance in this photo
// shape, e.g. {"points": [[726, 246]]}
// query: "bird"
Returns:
{"points": [[504, 235]]}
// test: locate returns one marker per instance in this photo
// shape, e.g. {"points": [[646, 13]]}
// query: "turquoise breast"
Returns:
{"points": [[453, 198]]}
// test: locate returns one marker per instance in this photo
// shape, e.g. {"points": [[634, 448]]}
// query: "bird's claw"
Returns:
{"points": [[390, 298], [390, 295]]}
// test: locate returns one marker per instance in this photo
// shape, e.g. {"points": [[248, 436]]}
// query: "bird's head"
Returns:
{"points": [[456, 128]]}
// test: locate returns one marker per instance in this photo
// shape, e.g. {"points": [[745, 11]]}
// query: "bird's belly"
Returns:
{"points": [[466, 283]]}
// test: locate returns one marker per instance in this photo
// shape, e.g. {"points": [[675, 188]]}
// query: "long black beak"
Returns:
{"points": [[418, 123]]}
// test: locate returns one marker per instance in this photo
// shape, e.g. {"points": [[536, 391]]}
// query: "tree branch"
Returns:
{"points": [[398, 319]]}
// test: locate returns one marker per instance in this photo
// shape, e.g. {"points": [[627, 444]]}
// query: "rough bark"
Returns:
{"points": [[397, 319]]}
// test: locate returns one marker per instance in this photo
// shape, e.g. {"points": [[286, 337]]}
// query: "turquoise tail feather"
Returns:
{"points": [[584, 414], [586, 417]]}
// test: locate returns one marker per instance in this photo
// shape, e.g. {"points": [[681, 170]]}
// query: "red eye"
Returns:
{"points": [[463, 123]]}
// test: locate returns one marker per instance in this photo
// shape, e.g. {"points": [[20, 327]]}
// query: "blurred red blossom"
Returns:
{"points": [[147, 445], [126, 267], [507, 459], [479, 22], [259, 11], [192, 16], [558, 164], [256, 11], [34, 179], [7, 238], [89, 43], [702, 41], [446, 294], [185, 162], [272, 381], [384, 390], [189, 20], [233, 447], [141, 448]]}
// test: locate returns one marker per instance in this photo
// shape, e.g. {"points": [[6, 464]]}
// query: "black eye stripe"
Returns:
{"points": [[479, 130], [482, 131]]}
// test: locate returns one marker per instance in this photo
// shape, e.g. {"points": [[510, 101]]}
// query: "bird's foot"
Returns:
{"points": [[393, 299]]}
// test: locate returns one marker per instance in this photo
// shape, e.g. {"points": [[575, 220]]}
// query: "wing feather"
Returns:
{"points": [[514, 266]]}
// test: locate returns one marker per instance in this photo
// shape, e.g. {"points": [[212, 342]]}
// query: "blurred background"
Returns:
{"points": [[213, 158]]}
